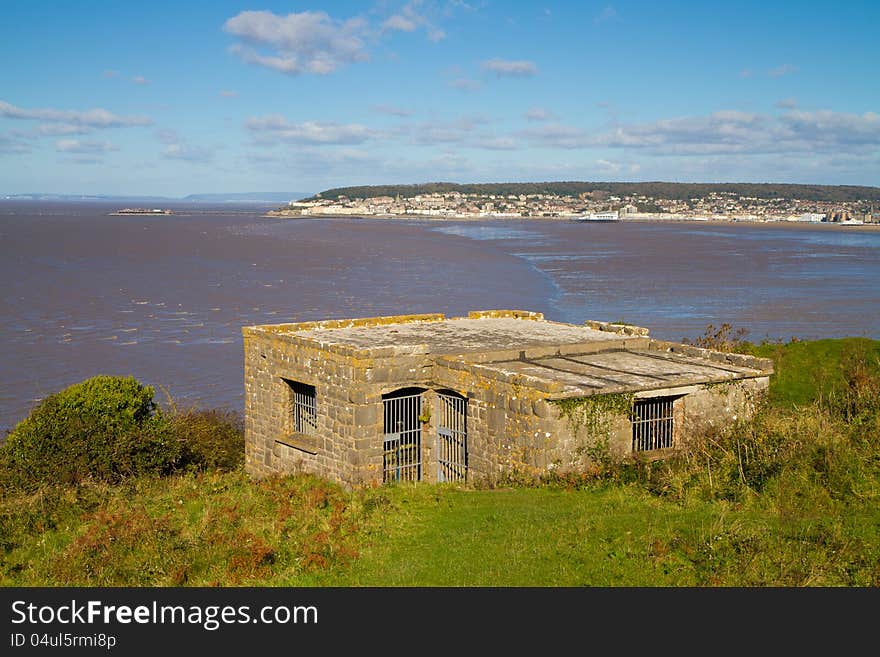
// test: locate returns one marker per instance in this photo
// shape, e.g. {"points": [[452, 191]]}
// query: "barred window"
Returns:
{"points": [[652, 423], [303, 406]]}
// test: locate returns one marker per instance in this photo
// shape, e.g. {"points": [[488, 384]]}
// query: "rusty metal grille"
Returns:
{"points": [[402, 454], [452, 457], [303, 407], [652, 423]]}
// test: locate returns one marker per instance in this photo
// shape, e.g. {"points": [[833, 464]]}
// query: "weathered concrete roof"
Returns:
{"points": [[564, 360], [458, 334], [623, 370]]}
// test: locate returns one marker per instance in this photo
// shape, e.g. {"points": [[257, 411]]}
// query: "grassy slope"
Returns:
{"points": [[224, 529], [807, 370]]}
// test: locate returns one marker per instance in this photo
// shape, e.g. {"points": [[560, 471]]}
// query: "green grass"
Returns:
{"points": [[791, 498], [441, 536], [806, 371]]}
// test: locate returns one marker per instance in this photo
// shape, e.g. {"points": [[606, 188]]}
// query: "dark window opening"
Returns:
{"points": [[303, 403], [653, 423]]}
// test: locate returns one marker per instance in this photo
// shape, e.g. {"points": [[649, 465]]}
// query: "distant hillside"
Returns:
{"points": [[255, 197], [657, 190]]}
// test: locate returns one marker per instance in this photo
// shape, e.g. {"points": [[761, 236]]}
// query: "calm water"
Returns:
{"points": [[164, 298]]}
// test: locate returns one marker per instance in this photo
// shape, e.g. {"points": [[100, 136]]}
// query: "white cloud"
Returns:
{"points": [[787, 103], [83, 120], [140, 79], [109, 74], [275, 128], [510, 68], [226, 93], [401, 23], [412, 17], [615, 168], [77, 146], [307, 42], [283, 64]]}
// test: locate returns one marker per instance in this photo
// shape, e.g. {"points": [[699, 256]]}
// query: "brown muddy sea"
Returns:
{"points": [[163, 298]]}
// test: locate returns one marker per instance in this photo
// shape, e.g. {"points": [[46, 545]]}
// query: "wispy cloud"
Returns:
{"points": [[226, 93], [784, 69], [496, 143], [555, 135], [609, 13], [84, 120], [510, 68], [462, 130], [59, 129], [77, 146], [465, 84], [179, 148], [745, 73], [608, 167], [391, 110], [787, 103], [732, 132], [410, 18], [167, 136], [9, 144], [307, 42], [274, 128], [140, 79], [539, 114], [86, 160], [108, 74], [187, 152], [399, 22]]}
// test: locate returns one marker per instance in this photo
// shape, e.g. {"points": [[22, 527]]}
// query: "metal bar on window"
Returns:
{"points": [[652, 424]]}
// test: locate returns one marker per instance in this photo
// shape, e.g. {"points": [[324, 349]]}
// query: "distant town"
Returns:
{"points": [[599, 205]]}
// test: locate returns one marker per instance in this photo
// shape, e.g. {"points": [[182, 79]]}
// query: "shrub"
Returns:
{"points": [[724, 338], [104, 427], [212, 439], [858, 398]]}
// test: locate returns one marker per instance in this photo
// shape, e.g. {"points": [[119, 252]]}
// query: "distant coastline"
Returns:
{"points": [[646, 217], [141, 211], [625, 202]]}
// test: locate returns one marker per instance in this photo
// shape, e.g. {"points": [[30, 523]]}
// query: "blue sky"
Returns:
{"points": [[173, 98]]}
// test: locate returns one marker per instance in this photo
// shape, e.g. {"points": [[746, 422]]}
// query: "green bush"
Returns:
{"points": [[104, 427], [212, 439]]}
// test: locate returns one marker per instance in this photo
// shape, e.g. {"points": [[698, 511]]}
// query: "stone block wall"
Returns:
{"points": [[512, 422], [349, 384]]}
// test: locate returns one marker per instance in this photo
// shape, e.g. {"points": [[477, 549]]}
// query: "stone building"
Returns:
{"points": [[430, 398]]}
